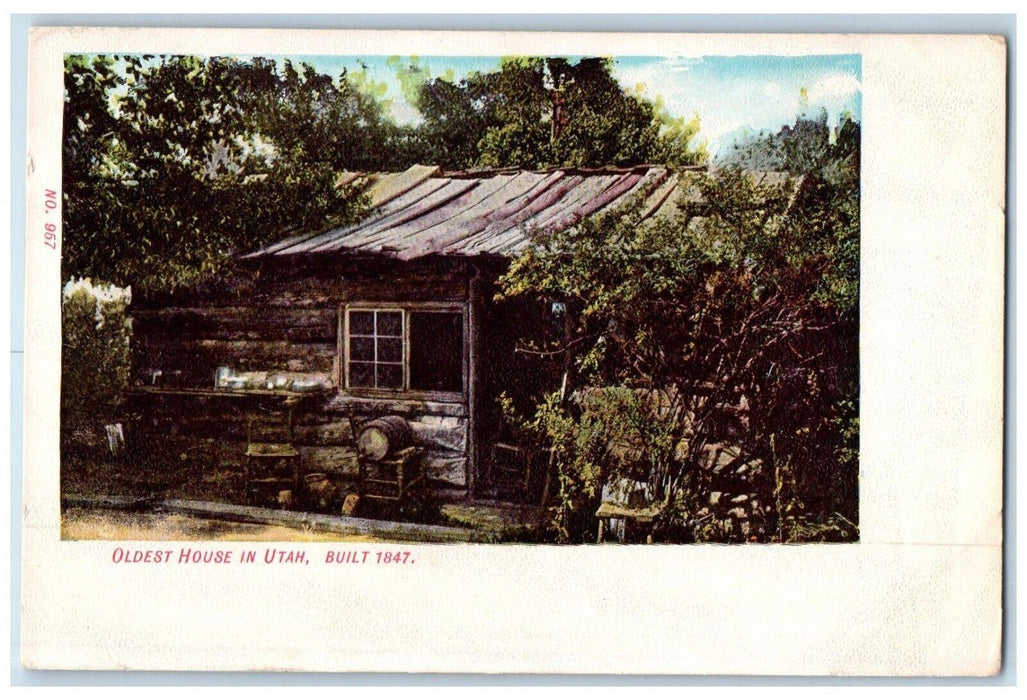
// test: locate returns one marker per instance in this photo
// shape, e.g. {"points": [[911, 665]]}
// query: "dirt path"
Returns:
{"points": [[104, 524]]}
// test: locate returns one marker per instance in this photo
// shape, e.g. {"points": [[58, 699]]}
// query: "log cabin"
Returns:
{"points": [[394, 315]]}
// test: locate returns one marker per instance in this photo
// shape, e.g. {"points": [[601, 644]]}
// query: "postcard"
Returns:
{"points": [[514, 352]]}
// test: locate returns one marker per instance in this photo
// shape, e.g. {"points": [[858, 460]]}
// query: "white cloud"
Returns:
{"points": [[657, 79], [403, 112], [837, 85], [678, 64]]}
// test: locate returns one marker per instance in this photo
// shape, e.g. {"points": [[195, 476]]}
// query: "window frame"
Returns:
{"points": [[407, 308]]}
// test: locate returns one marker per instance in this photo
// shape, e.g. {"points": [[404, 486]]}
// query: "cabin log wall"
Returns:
{"points": [[289, 321]]}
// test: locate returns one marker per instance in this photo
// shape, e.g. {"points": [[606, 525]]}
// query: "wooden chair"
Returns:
{"points": [[272, 459], [633, 520], [394, 480], [509, 469]]}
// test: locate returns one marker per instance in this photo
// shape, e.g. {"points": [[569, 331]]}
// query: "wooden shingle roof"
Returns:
{"points": [[421, 211]]}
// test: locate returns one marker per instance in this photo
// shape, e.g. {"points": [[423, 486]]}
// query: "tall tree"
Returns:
{"points": [[173, 163], [452, 124], [539, 112]]}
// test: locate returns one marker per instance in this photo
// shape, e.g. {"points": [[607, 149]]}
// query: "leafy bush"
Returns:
{"points": [[602, 436], [95, 357], [734, 330]]}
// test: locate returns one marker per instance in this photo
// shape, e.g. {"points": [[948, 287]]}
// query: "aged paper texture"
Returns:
{"points": [[919, 593]]}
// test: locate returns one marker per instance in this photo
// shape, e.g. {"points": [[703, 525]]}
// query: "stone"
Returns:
{"points": [[349, 505]]}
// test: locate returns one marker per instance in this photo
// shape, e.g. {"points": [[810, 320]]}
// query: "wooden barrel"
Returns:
{"points": [[384, 437]]}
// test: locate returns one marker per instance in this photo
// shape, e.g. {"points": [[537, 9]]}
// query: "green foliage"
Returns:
{"points": [[741, 317], [171, 164], [451, 120], [95, 354], [542, 112], [830, 160], [607, 434], [677, 143]]}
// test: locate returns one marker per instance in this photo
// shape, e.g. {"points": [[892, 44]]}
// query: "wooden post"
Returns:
{"points": [[568, 365], [339, 362], [473, 320]]}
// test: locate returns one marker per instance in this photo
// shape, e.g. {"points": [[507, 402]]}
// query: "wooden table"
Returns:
{"points": [[252, 404], [217, 392]]}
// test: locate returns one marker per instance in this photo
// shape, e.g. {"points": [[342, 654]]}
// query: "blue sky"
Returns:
{"points": [[731, 94]]}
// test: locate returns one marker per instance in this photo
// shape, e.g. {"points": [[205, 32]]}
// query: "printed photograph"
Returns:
{"points": [[522, 299]]}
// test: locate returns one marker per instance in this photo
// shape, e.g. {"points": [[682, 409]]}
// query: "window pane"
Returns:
{"points": [[390, 350], [361, 349], [376, 349], [390, 323], [390, 376], [361, 323], [436, 351], [361, 374]]}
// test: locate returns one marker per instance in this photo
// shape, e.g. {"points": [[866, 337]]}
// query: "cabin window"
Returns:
{"points": [[416, 350], [436, 351], [376, 349]]}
